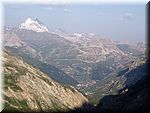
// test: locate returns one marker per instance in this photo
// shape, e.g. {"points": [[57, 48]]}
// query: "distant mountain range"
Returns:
{"points": [[79, 54], [95, 66]]}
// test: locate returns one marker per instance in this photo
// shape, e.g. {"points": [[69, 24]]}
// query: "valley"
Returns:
{"points": [[90, 66]]}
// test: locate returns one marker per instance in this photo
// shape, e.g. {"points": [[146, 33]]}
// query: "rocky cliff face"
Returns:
{"points": [[28, 89], [133, 97]]}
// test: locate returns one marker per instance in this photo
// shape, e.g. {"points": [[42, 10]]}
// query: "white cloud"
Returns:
{"points": [[67, 11], [126, 16]]}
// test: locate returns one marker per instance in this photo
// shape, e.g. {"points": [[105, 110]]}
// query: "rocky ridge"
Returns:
{"points": [[28, 89]]}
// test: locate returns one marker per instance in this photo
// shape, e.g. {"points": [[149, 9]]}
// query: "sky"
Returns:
{"points": [[114, 21]]}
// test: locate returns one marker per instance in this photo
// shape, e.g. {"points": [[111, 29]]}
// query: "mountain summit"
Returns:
{"points": [[34, 25]]}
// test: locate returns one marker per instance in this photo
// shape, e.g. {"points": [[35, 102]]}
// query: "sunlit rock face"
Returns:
{"points": [[28, 89]]}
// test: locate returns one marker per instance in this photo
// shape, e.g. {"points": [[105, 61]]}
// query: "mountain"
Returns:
{"points": [[133, 98], [34, 25], [16, 46], [107, 72], [84, 60], [131, 49], [79, 55], [115, 83], [52, 71], [12, 40], [28, 89]]}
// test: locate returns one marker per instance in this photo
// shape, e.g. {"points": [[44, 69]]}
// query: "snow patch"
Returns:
{"points": [[30, 24]]}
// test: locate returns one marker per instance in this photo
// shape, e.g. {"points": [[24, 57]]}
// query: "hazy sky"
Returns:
{"points": [[118, 22]]}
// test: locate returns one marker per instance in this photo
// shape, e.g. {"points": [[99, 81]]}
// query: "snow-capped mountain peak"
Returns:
{"points": [[34, 25]]}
